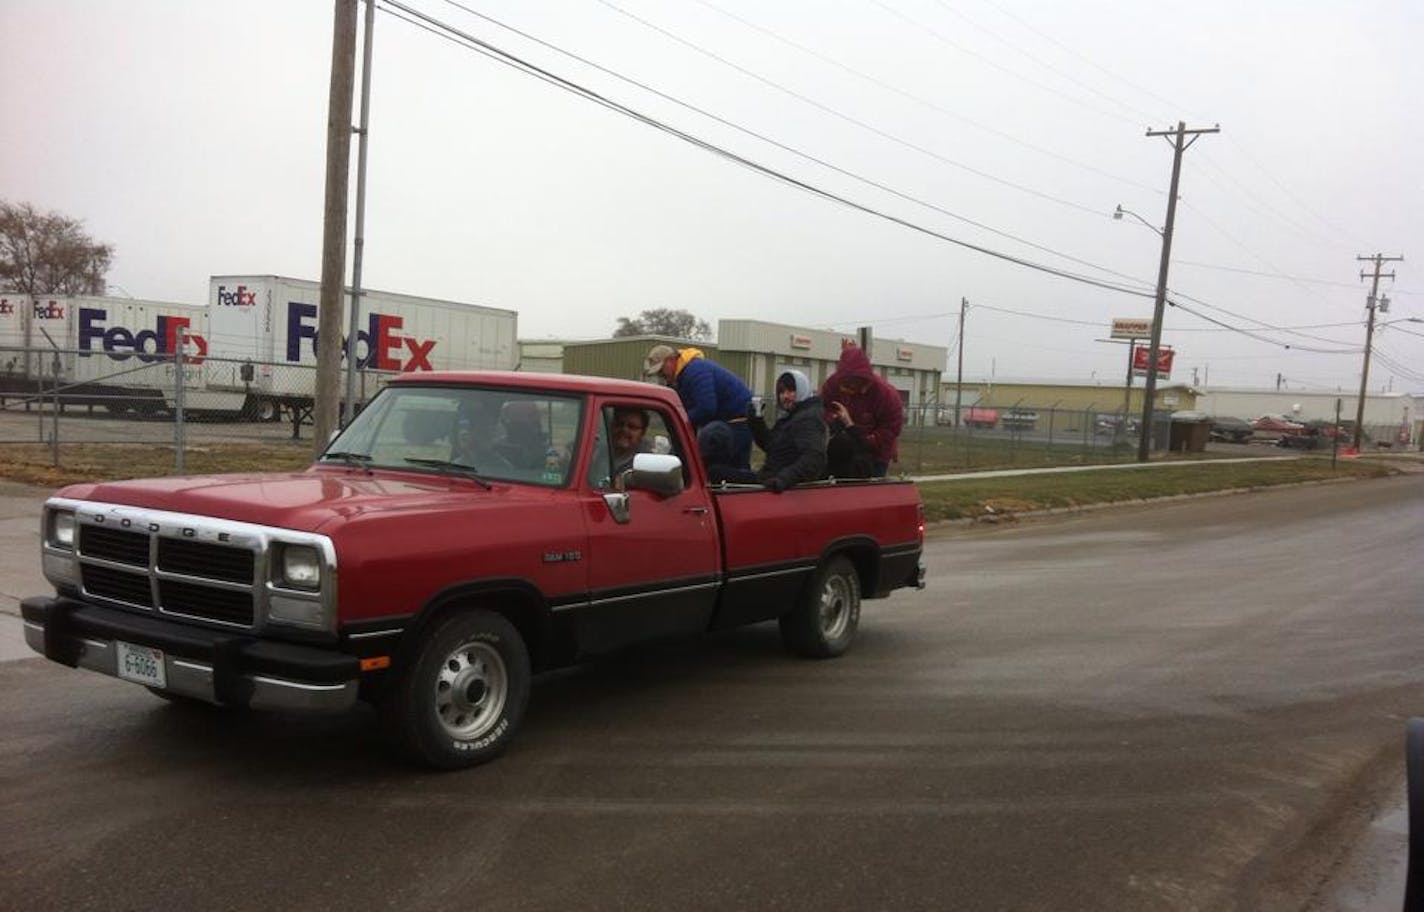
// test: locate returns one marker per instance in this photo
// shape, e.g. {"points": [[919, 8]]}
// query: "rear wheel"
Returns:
{"points": [[824, 621], [461, 699]]}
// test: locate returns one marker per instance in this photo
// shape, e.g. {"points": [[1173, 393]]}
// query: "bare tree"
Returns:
{"points": [[49, 253], [663, 321]]}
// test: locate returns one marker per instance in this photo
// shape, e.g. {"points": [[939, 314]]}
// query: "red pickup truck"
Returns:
{"points": [[466, 531]]}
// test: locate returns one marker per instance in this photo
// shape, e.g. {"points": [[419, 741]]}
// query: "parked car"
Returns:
{"points": [[981, 418], [1231, 430], [1272, 427], [1106, 425]]}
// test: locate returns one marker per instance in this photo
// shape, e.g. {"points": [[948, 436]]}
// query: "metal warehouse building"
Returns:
{"points": [[758, 351]]}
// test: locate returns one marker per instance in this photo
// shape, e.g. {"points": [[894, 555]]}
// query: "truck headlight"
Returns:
{"points": [[299, 567], [61, 529]]}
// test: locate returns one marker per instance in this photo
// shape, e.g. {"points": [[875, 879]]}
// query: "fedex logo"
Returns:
{"points": [[238, 297], [7, 307], [384, 345], [50, 310], [148, 345]]}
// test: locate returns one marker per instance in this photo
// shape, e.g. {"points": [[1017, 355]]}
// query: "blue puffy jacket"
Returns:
{"points": [[709, 391]]}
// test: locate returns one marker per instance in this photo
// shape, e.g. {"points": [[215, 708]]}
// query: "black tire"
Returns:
{"points": [[824, 621], [463, 696]]}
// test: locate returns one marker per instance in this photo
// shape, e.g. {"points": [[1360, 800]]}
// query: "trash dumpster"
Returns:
{"points": [[1190, 432]]}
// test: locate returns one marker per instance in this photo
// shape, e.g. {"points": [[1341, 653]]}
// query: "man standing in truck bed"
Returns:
{"points": [[709, 392]]}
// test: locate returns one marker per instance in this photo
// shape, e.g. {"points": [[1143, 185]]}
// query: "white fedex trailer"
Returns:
{"points": [[116, 352], [263, 334]]}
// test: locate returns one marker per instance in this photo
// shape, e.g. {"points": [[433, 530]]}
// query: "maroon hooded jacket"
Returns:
{"points": [[877, 411]]}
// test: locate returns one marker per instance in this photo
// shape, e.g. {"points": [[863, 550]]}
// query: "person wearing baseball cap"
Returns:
{"points": [[710, 393]]}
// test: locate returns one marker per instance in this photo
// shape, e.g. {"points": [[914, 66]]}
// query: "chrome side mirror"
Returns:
{"points": [[657, 473]]}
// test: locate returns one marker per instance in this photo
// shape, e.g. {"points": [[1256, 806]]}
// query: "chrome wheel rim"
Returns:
{"points": [[834, 607], [470, 690]]}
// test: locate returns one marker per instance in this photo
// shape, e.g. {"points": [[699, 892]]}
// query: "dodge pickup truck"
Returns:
{"points": [[465, 532]]}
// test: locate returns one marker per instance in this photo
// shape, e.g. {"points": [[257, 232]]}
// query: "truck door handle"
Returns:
{"points": [[699, 510]]}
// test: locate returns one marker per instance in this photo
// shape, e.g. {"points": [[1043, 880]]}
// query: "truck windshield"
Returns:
{"points": [[495, 434]]}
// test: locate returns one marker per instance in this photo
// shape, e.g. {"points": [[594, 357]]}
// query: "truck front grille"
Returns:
{"points": [[206, 602], [115, 545], [120, 585], [194, 558], [218, 582]]}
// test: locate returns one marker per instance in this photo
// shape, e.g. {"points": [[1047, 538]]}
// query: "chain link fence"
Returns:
{"points": [[1024, 436], [1030, 436], [61, 398], [66, 399]]}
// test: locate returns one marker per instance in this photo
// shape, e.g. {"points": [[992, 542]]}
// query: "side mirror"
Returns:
{"points": [[657, 473]]}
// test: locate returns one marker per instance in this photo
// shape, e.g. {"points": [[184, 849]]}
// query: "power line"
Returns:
{"points": [[470, 42], [1094, 64], [1247, 196], [792, 150], [1270, 174], [884, 134], [1242, 244], [1143, 116], [1264, 274], [998, 66], [993, 131], [1253, 334]]}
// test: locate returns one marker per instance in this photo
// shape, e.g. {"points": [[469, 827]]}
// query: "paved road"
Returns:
{"points": [[1192, 706]]}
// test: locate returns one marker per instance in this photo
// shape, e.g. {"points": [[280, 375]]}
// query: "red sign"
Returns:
{"points": [[1140, 354]]}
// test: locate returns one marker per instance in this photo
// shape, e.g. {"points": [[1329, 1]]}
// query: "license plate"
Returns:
{"points": [[141, 664]]}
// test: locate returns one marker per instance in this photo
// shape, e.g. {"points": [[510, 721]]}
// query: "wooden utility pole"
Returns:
{"points": [[1179, 145], [353, 325], [1372, 302], [333, 241]]}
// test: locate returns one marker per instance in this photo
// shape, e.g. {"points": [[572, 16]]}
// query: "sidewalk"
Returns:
{"points": [[1057, 470]]}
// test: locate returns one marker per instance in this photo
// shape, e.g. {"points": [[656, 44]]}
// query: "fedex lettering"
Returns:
{"points": [[239, 297], [7, 307], [148, 345], [383, 344], [50, 310]]}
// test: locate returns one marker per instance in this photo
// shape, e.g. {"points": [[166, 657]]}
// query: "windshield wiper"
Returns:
{"points": [[355, 460], [446, 465]]}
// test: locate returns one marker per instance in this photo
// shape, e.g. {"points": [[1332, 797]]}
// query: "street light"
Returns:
{"points": [[1119, 212]]}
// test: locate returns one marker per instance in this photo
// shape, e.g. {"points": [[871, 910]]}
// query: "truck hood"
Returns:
{"points": [[304, 501]]}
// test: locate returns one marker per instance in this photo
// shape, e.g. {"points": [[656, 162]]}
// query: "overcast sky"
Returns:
{"points": [[191, 135]]}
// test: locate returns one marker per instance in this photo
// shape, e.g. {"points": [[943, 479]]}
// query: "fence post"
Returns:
{"points": [[178, 442], [920, 450], [54, 420]]}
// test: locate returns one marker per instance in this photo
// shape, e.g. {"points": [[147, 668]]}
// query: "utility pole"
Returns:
{"points": [[333, 241], [959, 375], [1180, 143], [1371, 302], [348, 403]]}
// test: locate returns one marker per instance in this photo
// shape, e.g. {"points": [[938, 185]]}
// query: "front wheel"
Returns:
{"points": [[461, 699], [824, 621]]}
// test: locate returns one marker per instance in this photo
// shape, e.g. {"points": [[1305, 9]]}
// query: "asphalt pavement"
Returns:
{"points": [[1196, 705]]}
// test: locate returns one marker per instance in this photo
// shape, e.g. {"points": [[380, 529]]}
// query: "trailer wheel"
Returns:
{"points": [[824, 621], [461, 699]]}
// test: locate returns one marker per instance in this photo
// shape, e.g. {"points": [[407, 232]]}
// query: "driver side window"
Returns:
{"points": [[623, 432]]}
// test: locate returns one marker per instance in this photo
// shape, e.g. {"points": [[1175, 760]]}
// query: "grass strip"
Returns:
{"points": [[79, 462], [1016, 494]]}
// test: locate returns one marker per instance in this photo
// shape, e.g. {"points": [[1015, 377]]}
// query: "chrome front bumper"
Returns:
{"points": [[211, 666]]}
